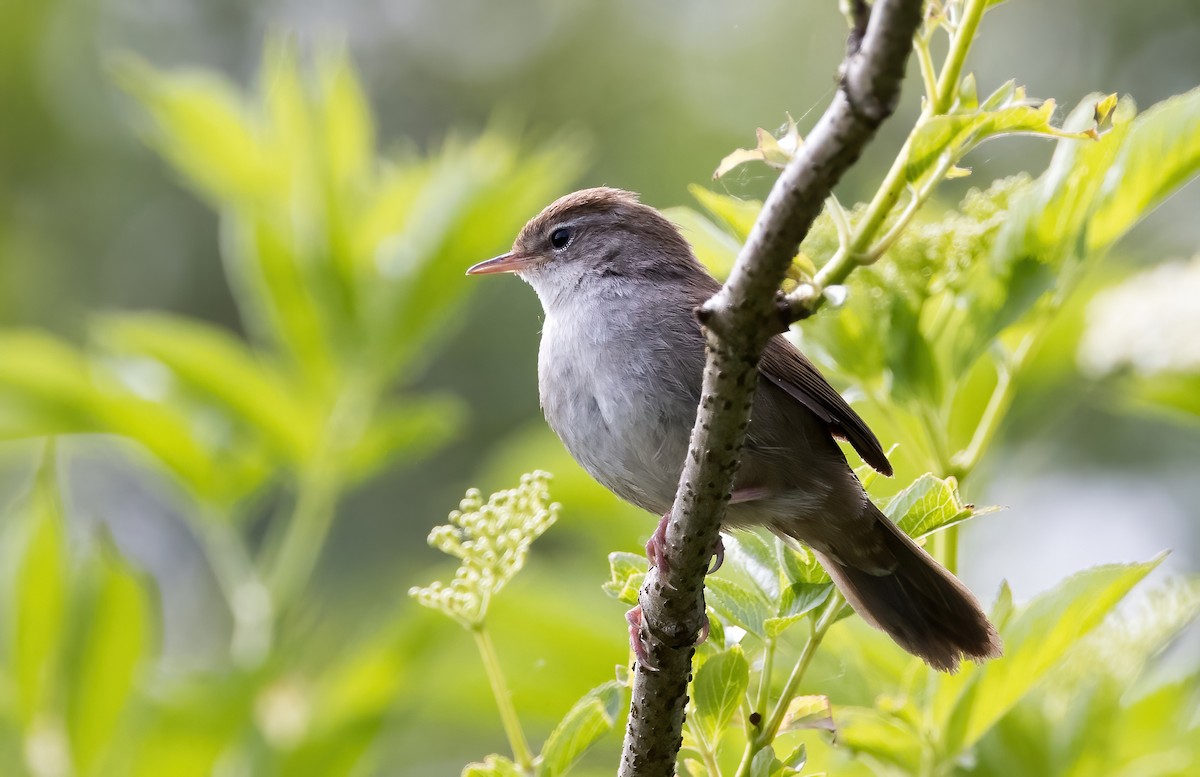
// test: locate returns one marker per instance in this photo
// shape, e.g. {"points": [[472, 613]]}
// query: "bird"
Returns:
{"points": [[620, 367]]}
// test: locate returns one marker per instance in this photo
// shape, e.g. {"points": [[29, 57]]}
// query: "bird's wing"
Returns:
{"points": [[784, 365]]}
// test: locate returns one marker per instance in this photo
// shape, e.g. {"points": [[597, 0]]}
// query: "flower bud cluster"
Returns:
{"points": [[492, 540]]}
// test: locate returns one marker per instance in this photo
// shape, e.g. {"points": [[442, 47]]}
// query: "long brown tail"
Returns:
{"points": [[927, 610]]}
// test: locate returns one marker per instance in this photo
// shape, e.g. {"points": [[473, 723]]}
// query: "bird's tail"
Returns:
{"points": [[919, 604]]}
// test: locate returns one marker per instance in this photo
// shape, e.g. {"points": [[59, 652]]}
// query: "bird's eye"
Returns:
{"points": [[560, 237]]}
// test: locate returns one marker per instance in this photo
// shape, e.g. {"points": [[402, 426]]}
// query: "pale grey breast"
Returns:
{"points": [[631, 434]]}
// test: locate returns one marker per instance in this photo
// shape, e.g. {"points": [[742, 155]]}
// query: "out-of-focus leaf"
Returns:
{"points": [[736, 214], [739, 605], [117, 626], [968, 704], [1160, 153], [880, 736], [216, 367], [406, 429], [718, 689], [39, 610], [591, 718], [910, 359], [492, 766], [203, 128], [628, 572], [713, 246]]}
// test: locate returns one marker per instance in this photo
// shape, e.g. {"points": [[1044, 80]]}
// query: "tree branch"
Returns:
{"points": [[738, 322]]}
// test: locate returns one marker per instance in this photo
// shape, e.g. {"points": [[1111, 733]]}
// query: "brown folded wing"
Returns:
{"points": [[786, 367]]}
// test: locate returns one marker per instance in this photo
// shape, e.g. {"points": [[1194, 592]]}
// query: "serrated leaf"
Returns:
{"points": [[1036, 638], [591, 718], [718, 690], [738, 605], [801, 598], [627, 574], [929, 504]]}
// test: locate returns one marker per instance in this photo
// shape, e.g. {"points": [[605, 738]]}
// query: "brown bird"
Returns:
{"points": [[620, 370]]}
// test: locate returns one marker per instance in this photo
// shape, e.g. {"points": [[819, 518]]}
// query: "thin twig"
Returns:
{"points": [[738, 322]]}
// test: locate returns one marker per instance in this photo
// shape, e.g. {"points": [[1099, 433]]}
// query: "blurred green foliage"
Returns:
{"points": [[344, 266], [347, 271]]}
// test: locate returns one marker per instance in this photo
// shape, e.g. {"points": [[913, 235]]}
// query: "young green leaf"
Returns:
{"points": [[591, 718], [718, 690], [738, 605], [627, 573], [929, 504], [492, 766]]}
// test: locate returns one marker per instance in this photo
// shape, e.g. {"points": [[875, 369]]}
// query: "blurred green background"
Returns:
{"points": [[643, 96]]}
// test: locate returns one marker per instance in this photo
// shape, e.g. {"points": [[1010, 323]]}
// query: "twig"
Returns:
{"points": [[738, 322]]}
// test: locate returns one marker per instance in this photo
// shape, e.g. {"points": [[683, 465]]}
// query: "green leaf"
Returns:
{"points": [[882, 736], [591, 718], [739, 605], [718, 690], [808, 712], [219, 368], [407, 429], [627, 574], [40, 609], [737, 215], [1159, 155], [1036, 638], [492, 766], [1006, 112], [754, 556], [776, 152], [928, 505], [799, 564], [117, 627]]}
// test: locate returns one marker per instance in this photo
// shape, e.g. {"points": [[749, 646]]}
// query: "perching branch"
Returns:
{"points": [[738, 322]]}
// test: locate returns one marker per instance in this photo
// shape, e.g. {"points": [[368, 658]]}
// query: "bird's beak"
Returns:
{"points": [[510, 262]]}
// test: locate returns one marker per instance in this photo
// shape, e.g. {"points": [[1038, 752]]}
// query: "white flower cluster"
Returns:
{"points": [[492, 540], [1147, 324]]}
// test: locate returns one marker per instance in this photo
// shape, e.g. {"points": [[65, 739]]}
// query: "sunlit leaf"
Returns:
{"points": [[628, 572], [492, 766], [739, 605], [718, 689], [808, 712], [929, 504]]}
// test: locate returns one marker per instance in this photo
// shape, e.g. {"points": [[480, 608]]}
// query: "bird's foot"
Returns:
{"points": [[639, 637], [656, 548]]}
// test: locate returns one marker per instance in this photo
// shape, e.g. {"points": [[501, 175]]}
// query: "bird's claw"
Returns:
{"points": [[638, 639], [718, 556], [656, 549]]}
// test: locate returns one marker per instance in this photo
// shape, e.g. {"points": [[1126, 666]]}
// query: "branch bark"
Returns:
{"points": [[738, 321]]}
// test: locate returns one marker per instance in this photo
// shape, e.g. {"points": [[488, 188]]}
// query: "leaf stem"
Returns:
{"points": [[770, 728], [964, 35], [508, 713]]}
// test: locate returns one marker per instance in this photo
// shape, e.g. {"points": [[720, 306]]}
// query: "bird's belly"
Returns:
{"points": [[630, 435]]}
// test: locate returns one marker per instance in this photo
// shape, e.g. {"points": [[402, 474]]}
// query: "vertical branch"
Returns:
{"points": [[738, 322]]}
